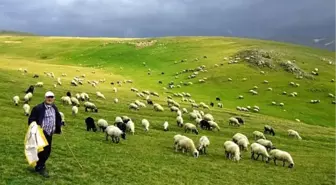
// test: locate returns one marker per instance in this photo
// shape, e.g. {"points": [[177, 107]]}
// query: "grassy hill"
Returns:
{"points": [[149, 157]]}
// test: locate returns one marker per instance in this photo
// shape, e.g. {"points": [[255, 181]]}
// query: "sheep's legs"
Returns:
{"points": [[258, 156], [252, 155], [204, 150], [283, 164], [275, 161], [106, 137]]}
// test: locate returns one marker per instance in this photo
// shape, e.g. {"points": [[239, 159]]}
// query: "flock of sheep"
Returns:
{"points": [[204, 121]]}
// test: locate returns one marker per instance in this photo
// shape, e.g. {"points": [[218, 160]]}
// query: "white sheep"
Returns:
{"points": [[74, 110], [234, 121], [59, 81], [16, 100], [293, 133], [91, 106], [133, 106], [283, 156], [208, 117], [190, 127], [28, 97], [281, 104], [259, 149], [145, 124], [158, 107], [115, 90], [74, 101], [273, 103], [140, 104], [220, 105], [66, 100], [232, 150], [174, 109], [238, 136], [100, 95], [258, 135], [130, 126], [240, 97], [115, 100], [178, 137], [39, 84], [62, 117], [26, 109], [184, 110], [179, 113], [73, 83], [179, 121], [214, 125], [186, 144], [115, 133], [266, 143], [102, 124], [165, 126], [204, 143]]}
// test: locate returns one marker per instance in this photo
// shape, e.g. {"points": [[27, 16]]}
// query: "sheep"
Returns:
{"points": [[115, 100], [133, 106], [59, 81], [91, 106], [218, 99], [214, 125], [130, 126], [208, 117], [179, 121], [174, 109], [73, 83], [165, 126], [331, 95], [62, 118], [158, 107], [283, 156], [26, 109], [232, 150], [28, 97], [100, 95], [90, 124], [115, 133], [115, 90], [270, 89], [190, 127], [229, 79], [204, 143], [145, 124], [240, 97], [84, 97], [66, 100], [177, 138], [234, 121], [268, 129], [281, 104], [102, 124], [240, 120], [259, 149], [74, 101], [238, 136], [179, 113], [122, 126], [258, 135], [39, 84], [243, 143], [139, 104], [16, 100], [220, 105], [293, 133], [30, 89], [266, 143], [184, 110], [186, 144], [74, 110]]}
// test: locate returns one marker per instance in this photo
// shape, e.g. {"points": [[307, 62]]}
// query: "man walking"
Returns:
{"points": [[48, 117]]}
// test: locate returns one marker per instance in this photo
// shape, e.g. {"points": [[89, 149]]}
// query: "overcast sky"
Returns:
{"points": [[149, 18]]}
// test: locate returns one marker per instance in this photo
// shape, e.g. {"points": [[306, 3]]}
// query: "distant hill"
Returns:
{"points": [[9, 32]]}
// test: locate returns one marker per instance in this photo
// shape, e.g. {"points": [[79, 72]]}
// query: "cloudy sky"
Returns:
{"points": [[274, 19]]}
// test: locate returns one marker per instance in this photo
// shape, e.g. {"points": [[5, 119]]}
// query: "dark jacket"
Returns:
{"points": [[37, 114]]}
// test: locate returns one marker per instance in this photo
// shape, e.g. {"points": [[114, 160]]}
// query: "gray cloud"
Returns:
{"points": [[146, 18]]}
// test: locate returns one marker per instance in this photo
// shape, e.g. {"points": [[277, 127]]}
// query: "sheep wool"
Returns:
{"points": [[100, 95], [145, 124], [116, 100], [102, 124], [266, 143], [283, 156], [234, 121], [293, 133], [133, 106], [74, 101], [74, 110], [16, 100], [214, 125], [258, 135], [190, 127], [186, 144], [179, 121], [204, 142], [165, 126], [66, 100], [232, 150], [130, 126], [115, 133], [259, 149], [26, 109]]}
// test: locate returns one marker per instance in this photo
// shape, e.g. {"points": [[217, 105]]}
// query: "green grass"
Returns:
{"points": [[148, 158]]}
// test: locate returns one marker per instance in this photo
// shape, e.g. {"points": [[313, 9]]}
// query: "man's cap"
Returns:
{"points": [[49, 93]]}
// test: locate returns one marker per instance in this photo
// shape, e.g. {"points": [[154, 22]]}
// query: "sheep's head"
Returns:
{"points": [[196, 154], [196, 131], [291, 165], [123, 135], [96, 110]]}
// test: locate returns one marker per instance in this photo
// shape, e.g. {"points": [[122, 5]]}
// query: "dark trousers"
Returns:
{"points": [[44, 155]]}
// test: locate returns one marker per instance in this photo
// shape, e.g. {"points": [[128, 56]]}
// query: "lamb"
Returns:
{"points": [[258, 135], [91, 106], [74, 110], [283, 156], [179, 121], [90, 124], [214, 125], [145, 124], [26, 109], [259, 149], [234, 121], [268, 129], [130, 126], [190, 127], [158, 107], [100, 95], [232, 150], [133, 106], [165, 126], [62, 118], [115, 133], [186, 144], [39, 84], [16, 100], [293, 133], [28, 97], [204, 143], [74, 101], [102, 124], [266, 143], [66, 100]]}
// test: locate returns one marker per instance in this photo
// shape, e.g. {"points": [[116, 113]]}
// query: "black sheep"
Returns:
{"points": [[68, 93], [240, 120], [269, 130], [35, 76], [149, 102], [162, 73], [90, 124], [212, 104], [160, 82], [122, 127], [205, 124], [125, 119], [30, 89], [218, 99], [112, 83]]}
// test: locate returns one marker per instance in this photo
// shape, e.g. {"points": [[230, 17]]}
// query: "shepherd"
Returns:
{"points": [[47, 116]]}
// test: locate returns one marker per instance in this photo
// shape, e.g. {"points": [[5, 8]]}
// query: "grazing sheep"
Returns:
{"points": [[212, 104], [36, 76], [74, 101], [218, 99], [293, 133], [179, 113], [84, 97], [266, 143], [281, 104], [133, 106], [232, 150], [208, 117], [30, 89], [174, 109], [268, 129], [165, 126], [16, 100], [62, 118], [102, 124], [240, 97], [39, 84], [74, 110], [73, 83], [90, 124], [283, 156], [115, 100], [145, 124], [270, 89], [186, 144], [100, 95], [68, 93], [243, 143], [158, 107], [140, 104], [238, 136], [91, 106], [177, 137], [220, 105], [26, 109], [179, 121], [204, 124], [259, 149], [115, 133], [115, 90], [258, 135], [28, 97], [184, 110], [130, 126], [59, 81], [66, 100], [190, 127], [240, 120], [204, 143], [122, 126], [234, 121]]}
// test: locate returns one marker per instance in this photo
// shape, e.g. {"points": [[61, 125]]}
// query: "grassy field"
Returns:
{"points": [[148, 158]]}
